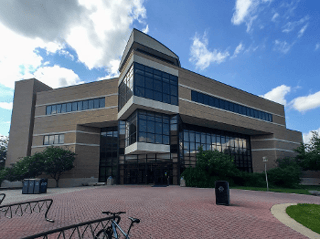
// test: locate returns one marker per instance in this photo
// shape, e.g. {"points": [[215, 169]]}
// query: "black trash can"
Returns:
{"points": [[36, 189], [43, 185], [222, 193], [25, 186], [31, 186]]}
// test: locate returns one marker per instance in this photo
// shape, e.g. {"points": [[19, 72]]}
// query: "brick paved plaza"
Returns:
{"points": [[165, 212]]}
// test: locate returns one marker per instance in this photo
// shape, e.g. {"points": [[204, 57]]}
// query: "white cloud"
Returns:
{"points": [[275, 16], [290, 26], [317, 46], [146, 30], [96, 30], [238, 49], [282, 46], [246, 11], [6, 105], [201, 56], [305, 103], [308, 136], [56, 76], [302, 30], [113, 70], [278, 94]]}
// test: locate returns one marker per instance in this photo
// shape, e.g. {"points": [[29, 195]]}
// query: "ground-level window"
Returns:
{"points": [[53, 139]]}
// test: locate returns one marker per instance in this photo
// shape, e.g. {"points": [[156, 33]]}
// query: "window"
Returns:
{"points": [[148, 83], [230, 106], [76, 106], [53, 139]]}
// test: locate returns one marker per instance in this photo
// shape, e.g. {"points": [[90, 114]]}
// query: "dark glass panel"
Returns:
{"points": [[165, 139], [139, 80], [166, 130], [63, 108], [90, 104], [102, 103], [139, 91], [69, 105], [194, 96], [85, 104], [79, 105], [142, 125], [48, 110], [59, 108], [149, 83], [158, 86], [166, 98], [96, 103], [74, 106], [54, 109], [150, 126], [200, 98], [149, 94]]}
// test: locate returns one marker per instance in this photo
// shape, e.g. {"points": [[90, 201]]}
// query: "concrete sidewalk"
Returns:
{"points": [[169, 212]]}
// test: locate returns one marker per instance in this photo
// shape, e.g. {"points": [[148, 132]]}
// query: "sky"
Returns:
{"points": [[265, 47]]}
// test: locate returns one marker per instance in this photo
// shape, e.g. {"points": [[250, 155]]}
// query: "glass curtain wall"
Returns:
{"points": [[237, 145], [149, 83], [108, 154], [149, 168], [149, 127]]}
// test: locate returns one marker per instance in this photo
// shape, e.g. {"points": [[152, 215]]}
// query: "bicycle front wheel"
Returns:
{"points": [[104, 234]]}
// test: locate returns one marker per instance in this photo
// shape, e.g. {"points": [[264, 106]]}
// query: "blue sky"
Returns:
{"points": [[266, 47]]}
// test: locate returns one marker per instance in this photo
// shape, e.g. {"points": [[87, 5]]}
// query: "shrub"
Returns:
{"points": [[288, 177], [250, 179]]}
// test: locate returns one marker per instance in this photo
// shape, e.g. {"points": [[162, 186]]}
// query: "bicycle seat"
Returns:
{"points": [[134, 220]]}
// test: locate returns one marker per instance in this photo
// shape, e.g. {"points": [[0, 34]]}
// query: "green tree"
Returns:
{"points": [[308, 156], [3, 150], [57, 161]]}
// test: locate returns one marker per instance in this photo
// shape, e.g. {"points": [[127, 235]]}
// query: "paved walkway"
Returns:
{"points": [[169, 212]]}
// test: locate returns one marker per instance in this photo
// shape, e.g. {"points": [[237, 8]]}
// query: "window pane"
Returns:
{"points": [[149, 83], [157, 96], [80, 105], [59, 108], [51, 139], [166, 129], [85, 104], [68, 107], [150, 127], [166, 98], [102, 102], [61, 139], [165, 139], [139, 80], [46, 140], [90, 104], [56, 139], [54, 109], [158, 85], [48, 111], [64, 108], [74, 106], [149, 94], [96, 103]]}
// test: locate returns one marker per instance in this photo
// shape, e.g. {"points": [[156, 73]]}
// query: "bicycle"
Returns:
{"points": [[111, 231]]}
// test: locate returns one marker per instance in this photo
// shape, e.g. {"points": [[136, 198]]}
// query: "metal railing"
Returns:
{"points": [[28, 207], [82, 230]]}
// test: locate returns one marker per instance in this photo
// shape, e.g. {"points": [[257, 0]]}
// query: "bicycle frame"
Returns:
{"points": [[114, 229]]}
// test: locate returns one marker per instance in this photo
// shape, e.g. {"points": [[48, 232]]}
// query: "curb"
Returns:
{"points": [[279, 212]]}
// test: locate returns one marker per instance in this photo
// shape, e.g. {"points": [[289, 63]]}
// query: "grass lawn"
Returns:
{"points": [[303, 189], [306, 214]]}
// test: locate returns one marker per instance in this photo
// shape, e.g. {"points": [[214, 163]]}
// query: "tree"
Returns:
{"points": [[308, 156], [3, 150], [57, 161]]}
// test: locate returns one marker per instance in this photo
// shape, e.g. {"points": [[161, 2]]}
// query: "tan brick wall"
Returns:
{"points": [[74, 93], [227, 92], [22, 120]]}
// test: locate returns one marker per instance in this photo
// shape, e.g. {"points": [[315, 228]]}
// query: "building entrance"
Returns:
{"points": [[149, 173]]}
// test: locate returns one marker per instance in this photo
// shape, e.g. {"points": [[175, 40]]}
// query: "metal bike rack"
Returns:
{"points": [[87, 229], [26, 208], [2, 197]]}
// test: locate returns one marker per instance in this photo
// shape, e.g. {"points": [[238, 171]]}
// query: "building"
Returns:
{"points": [[148, 123]]}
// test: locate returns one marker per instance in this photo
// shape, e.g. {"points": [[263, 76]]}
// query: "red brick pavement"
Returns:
{"points": [[171, 212]]}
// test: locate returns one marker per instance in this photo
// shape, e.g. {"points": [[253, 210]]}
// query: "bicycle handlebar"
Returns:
{"points": [[113, 213]]}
